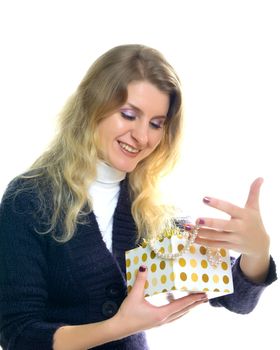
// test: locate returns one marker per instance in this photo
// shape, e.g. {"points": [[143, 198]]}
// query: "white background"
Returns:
{"points": [[227, 54]]}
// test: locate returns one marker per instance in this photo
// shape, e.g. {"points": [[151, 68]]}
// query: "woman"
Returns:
{"points": [[67, 222]]}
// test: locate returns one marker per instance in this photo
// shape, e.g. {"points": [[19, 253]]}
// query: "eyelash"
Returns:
{"points": [[131, 118]]}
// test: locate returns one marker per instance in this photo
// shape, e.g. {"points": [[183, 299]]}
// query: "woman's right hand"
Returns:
{"points": [[137, 314]]}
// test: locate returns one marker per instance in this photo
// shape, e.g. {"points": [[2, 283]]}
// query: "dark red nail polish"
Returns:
{"points": [[206, 200], [188, 227], [201, 222], [142, 268]]}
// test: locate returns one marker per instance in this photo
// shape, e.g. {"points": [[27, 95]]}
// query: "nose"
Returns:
{"points": [[140, 134]]}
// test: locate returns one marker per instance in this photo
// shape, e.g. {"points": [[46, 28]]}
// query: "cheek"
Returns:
{"points": [[153, 144], [114, 127], [108, 129], [103, 136], [156, 139]]}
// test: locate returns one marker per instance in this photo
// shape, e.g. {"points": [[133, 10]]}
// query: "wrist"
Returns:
{"points": [[121, 327], [255, 268], [117, 328]]}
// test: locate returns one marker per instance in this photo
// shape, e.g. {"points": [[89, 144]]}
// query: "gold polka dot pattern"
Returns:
{"points": [[163, 279], [183, 276], [216, 279], [153, 267], [223, 252], [194, 277], [202, 250], [144, 257], [205, 278], [182, 262], [204, 264], [180, 247], [193, 263], [192, 249], [225, 279], [224, 265], [190, 272], [154, 281]]}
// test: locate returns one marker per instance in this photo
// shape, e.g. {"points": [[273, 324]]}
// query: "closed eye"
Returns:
{"points": [[157, 123], [128, 116]]}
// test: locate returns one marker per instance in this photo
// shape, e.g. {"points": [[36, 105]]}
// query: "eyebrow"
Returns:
{"points": [[140, 111]]}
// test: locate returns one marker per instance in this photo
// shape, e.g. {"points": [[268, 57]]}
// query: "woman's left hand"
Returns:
{"points": [[244, 232]]}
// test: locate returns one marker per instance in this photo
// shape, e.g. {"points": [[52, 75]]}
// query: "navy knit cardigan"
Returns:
{"points": [[45, 284]]}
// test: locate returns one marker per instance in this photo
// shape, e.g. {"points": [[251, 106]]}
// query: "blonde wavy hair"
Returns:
{"points": [[66, 169]]}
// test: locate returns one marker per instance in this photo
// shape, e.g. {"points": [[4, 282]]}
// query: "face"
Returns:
{"points": [[134, 131]]}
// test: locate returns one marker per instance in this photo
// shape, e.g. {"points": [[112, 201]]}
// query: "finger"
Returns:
{"points": [[138, 288], [217, 224], [214, 235], [183, 312], [254, 194], [226, 207], [170, 297], [182, 303], [176, 318], [217, 244]]}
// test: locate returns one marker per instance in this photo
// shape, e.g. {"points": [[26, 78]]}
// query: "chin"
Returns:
{"points": [[126, 168]]}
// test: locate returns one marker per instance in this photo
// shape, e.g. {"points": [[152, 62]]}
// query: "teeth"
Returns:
{"points": [[128, 148]]}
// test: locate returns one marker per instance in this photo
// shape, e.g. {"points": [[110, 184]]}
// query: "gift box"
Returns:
{"points": [[177, 267]]}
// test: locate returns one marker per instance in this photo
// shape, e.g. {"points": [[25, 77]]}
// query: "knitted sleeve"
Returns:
{"points": [[246, 293], [23, 285]]}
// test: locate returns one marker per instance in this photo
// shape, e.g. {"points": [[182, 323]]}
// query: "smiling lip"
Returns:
{"points": [[126, 152]]}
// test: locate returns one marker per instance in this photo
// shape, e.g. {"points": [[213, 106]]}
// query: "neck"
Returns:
{"points": [[105, 173]]}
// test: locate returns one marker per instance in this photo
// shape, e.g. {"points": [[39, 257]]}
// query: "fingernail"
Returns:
{"points": [[188, 227], [170, 297], [201, 222], [142, 268], [206, 200]]}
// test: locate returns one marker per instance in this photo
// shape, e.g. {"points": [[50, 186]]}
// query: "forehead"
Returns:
{"points": [[148, 98]]}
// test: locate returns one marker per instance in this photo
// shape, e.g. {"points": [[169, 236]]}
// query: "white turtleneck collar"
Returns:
{"points": [[106, 174], [104, 193]]}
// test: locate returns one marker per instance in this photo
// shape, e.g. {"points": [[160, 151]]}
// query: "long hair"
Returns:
{"points": [[68, 166]]}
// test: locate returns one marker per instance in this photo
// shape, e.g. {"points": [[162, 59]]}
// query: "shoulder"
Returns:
{"points": [[23, 213], [22, 196], [19, 188]]}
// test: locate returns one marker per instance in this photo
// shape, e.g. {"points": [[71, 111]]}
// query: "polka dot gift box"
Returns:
{"points": [[177, 266]]}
